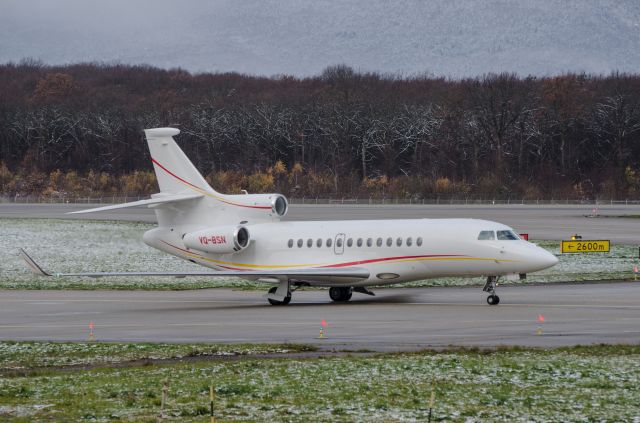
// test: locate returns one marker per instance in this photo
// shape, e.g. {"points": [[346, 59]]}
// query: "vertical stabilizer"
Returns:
{"points": [[174, 171], [202, 206]]}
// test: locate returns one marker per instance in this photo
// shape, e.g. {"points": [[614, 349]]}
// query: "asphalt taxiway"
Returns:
{"points": [[396, 319]]}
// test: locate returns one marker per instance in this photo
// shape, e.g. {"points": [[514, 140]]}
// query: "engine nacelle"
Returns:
{"points": [[219, 239], [273, 204]]}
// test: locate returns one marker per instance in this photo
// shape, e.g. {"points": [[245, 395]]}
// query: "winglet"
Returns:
{"points": [[35, 267]]}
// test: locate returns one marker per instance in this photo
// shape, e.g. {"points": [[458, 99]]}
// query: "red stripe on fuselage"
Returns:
{"points": [[355, 263], [191, 252], [177, 248], [176, 176], [202, 189], [346, 264]]}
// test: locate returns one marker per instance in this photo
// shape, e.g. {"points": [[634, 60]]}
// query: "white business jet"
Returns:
{"points": [[243, 236]]}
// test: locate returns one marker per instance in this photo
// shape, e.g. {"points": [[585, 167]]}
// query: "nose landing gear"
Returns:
{"points": [[286, 300], [490, 287]]}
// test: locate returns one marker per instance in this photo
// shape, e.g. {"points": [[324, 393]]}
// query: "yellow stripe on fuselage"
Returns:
{"points": [[209, 194], [298, 266]]}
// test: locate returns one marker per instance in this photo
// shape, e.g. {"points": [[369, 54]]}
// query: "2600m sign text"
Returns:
{"points": [[592, 246]]}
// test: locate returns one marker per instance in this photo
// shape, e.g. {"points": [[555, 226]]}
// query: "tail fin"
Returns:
{"points": [[174, 171], [186, 199]]}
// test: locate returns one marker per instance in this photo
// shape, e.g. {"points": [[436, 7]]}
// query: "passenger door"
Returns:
{"points": [[338, 245]]}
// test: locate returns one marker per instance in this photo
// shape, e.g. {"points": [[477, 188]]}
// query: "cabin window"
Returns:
{"points": [[486, 235], [328, 242], [319, 243], [339, 242], [379, 242], [389, 242], [290, 243], [419, 241], [349, 242], [300, 243], [359, 242], [309, 243], [409, 241], [369, 242], [507, 236], [399, 242]]}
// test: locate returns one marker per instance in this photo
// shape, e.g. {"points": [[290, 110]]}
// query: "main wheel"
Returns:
{"points": [[286, 301], [340, 293], [493, 300]]}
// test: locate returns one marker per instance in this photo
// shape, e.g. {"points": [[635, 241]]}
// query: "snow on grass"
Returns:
{"points": [[26, 354], [596, 383], [76, 246], [85, 246]]}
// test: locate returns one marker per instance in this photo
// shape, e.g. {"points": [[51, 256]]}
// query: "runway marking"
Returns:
{"points": [[343, 324], [525, 305], [97, 300], [254, 302], [355, 337], [159, 325], [69, 313]]}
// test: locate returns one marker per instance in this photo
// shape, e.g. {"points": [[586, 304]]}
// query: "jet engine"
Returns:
{"points": [[219, 239], [273, 204], [279, 204]]}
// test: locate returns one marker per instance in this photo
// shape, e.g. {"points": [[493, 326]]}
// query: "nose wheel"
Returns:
{"points": [[286, 300], [490, 287]]}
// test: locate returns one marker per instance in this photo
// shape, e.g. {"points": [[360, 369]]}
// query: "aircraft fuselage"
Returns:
{"points": [[393, 251]]}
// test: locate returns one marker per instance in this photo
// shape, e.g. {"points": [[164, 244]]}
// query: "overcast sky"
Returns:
{"points": [[264, 37]]}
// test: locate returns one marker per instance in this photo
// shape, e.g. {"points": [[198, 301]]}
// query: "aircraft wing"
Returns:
{"points": [[157, 200], [316, 274]]}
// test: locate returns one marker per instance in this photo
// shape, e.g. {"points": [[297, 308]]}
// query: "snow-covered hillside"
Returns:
{"points": [[442, 37]]}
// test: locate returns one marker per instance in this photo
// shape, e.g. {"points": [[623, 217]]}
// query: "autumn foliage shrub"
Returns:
{"points": [[78, 130]]}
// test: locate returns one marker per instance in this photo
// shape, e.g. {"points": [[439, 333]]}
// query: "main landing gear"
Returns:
{"points": [[490, 287], [281, 294], [286, 300], [340, 294], [343, 293]]}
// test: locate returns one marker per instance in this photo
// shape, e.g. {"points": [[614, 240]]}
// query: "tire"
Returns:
{"points": [[348, 294], [493, 300], [286, 301], [334, 294], [340, 294]]}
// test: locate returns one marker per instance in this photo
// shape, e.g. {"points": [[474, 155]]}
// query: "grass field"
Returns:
{"points": [[597, 383], [29, 355], [70, 246]]}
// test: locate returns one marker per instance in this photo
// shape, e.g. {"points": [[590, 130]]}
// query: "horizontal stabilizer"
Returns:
{"points": [[347, 274], [160, 199]]}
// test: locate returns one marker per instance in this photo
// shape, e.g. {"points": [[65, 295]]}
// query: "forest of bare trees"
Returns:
{"points": [[78, 129]]}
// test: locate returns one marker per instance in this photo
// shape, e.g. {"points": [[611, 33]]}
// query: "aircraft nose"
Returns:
{"points": [[547, 259]]}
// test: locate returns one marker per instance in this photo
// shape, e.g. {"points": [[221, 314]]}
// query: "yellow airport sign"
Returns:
{"points": [[585, 246]]}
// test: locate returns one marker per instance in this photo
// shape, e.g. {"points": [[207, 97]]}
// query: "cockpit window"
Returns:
{"points": [[485, 235], [507, 236]]}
